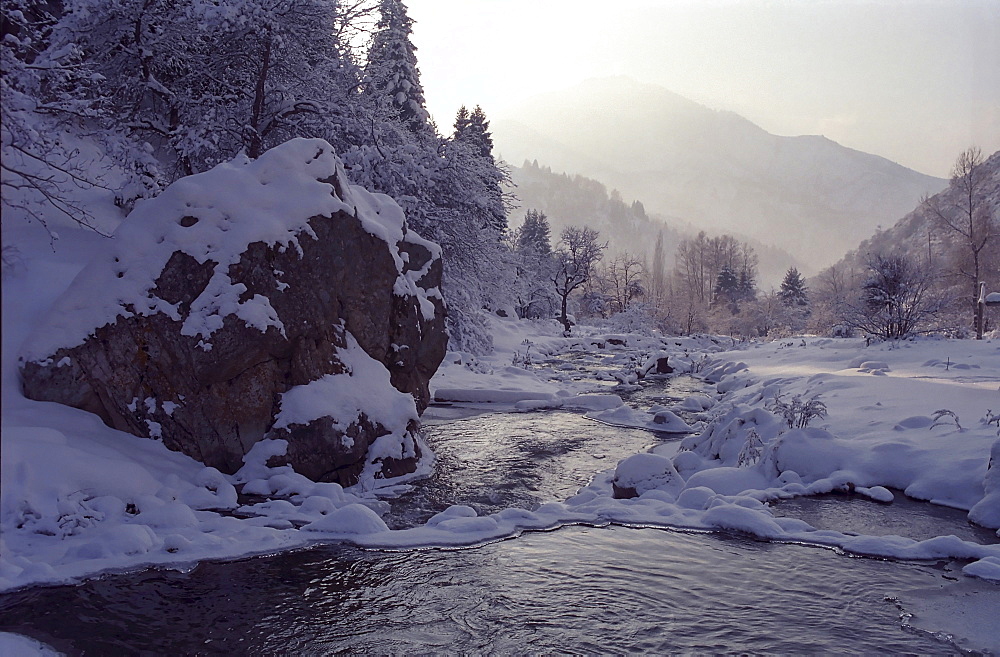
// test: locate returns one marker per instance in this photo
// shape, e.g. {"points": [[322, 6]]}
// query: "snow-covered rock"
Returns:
{"points": [[640, 473], [261, 298], [986, 512]]}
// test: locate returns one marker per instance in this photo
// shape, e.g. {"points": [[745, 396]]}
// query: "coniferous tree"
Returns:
{"points": [[473, 138], [392, 66], [534, 233], [747, 290], [479, 132], [461, 123], [534, 263], [727, 286], [793, 289]]}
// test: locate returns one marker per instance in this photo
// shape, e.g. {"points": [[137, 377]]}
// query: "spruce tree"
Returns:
{"points": [[793, 289], [479, 132], [727, 286], [472, 136], [747, 290], [461, 123], [392, 66], [534, 234]]}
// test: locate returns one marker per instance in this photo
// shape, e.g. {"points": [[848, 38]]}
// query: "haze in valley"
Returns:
{"points": [[806, 125], [915, 82]]}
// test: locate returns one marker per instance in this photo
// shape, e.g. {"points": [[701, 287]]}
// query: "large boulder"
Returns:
{"points": [[265, 298]]}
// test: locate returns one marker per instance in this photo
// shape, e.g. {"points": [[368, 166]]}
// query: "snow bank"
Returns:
{"points": [[16, 645]]}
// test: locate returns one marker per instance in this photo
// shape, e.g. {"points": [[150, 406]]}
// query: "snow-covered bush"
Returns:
{"points": [[752, 450], [896, 298], [797, 413]]}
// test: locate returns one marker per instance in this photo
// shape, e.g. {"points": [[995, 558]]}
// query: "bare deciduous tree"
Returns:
{"points": [[969, 216], [576, 256], [624, 278]]}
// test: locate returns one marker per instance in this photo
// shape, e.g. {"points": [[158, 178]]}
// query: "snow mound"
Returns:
{"points": [[624, 416], [646, 472]]}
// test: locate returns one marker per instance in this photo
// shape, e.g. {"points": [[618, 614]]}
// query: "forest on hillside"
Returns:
{"points": [[946, 247]]}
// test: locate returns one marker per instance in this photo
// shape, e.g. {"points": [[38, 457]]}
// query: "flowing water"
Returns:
{"points": [[574, 590], [499, 460]]}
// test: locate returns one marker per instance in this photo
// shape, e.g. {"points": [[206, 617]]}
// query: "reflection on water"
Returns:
{"points": [[577, 590], [854, 514]]}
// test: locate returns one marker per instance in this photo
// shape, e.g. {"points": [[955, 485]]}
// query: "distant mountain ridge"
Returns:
{"points": [[715, 169], [575, 200]]}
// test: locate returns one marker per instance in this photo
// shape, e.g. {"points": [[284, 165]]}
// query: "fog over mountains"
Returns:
{"points": [[714, 169]]}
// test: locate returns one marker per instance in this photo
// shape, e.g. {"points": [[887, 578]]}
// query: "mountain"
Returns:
{"points": [[937, 249], [574, 200], [807, 195]]}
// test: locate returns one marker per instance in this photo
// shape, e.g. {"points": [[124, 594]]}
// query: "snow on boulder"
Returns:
{"points": [[670, 422], [987, 511], [349, 519], [657, 363], [696, 403], [242, 303], [644, 472]]}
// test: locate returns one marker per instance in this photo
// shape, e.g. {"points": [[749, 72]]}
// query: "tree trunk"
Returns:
{"points": [[563, 317], [256, 145]]}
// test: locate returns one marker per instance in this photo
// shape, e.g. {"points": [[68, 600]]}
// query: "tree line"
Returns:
{"points": [[886, 290]]}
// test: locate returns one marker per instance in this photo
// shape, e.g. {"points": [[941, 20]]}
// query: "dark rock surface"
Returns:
{"points": [[213, 394]]}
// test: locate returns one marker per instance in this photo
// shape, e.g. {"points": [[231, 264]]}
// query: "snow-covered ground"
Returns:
{"points": [[79, 498]]}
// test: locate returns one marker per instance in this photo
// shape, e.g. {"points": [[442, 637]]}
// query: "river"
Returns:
{"points": [[578, 589]]}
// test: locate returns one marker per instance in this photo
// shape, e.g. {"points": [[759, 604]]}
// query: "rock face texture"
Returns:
{"points": [[259, 299]]}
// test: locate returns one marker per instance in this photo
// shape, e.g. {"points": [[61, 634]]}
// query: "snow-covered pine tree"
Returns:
{"points": [[533, 258], [748, 285], [793, 289], [392, 72], [453, 195], [727, 286], [478, 132], [461, 122], [472, 132], [534, 233]]}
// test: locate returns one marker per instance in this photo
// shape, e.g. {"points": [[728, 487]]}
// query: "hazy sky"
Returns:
{"points": [[914, 81]]}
